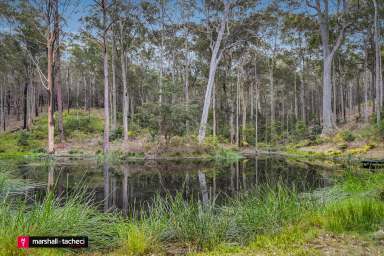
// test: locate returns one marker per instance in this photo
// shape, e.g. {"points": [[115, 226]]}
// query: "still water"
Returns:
{"points": [[128, 187]]}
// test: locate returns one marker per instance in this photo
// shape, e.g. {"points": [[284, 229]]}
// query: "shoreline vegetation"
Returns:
{"points": [[267, 220], [84, 140]]}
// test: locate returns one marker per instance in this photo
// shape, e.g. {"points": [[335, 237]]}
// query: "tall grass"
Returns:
{"points": [[204, 226], [266, 210], [51, 217], [360, 215]]}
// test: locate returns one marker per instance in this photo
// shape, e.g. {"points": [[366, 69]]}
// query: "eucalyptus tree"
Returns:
{"points": [[43, 23], [324, 15], [98, 25], [378, 70], [57, 71], [224, 25], [217, 52], [130, 32]]}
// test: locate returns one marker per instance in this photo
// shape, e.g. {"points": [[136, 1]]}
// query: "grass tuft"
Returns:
{"points": [[360, 215], [52, 218]]}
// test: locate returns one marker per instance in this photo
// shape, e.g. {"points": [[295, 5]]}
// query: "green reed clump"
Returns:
{"points": [[136, 239], [53, 217], [355, 214], [190, 222], [264, 211], [361, 181], [204, 226]]}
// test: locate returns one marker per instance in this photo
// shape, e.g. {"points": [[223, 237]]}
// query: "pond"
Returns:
{"points": [[129, 187]]}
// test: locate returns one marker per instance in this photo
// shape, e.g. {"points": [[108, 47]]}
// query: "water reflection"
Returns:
{"points": [[203, 187], [129, 187], [106, 186], [51, 178]]}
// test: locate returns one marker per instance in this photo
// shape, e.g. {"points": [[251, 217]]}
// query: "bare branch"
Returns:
{"points": [[43, 78]]}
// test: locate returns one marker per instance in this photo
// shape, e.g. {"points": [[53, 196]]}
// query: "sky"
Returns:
{"points": [[73, 13]]}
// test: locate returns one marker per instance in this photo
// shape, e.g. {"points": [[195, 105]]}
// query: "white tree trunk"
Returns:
{"points": [[214, 111], [106, 80], [302, 93], [366, 85], [378, 81], [2, 116], [123, 63], [328, 54], [114, 99], [215, 58], [203, 187]]}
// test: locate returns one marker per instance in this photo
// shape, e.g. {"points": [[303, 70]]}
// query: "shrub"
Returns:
{"points": [[359, 215], [23, 139], [347, 136], [211, 141], [166, 119], [83, 124], [116, 134], [301, 130]]}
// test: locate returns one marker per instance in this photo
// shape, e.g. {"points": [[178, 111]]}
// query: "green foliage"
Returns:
{"points": [[359, 215], [301, 130], [23, 139], [225, 154], [357, 182], [116, 134], [51, 218], [249, 133], [290, 241], [212, 141], [347, 136], [266, 211], [134, 239], [188, 222], [20, 143], [81, 122], [166, 119]]}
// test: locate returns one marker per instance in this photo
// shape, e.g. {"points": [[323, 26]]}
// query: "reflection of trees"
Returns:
{"points": [[256, 171], [125, 189], [232, 180], [51, 178], [140, 182], [106, 185], [203, 187], [114, 191], [244, 175]]}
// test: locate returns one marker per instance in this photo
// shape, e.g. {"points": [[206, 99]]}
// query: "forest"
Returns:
{"points": [[202, 127]]}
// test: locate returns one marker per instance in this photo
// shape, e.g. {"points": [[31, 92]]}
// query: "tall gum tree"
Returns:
{"points": [[322, 10], [217, 51]]}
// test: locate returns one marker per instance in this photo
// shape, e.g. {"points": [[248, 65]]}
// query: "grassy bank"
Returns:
{"points": [[84, 138], [265, 220], [352, 141]]}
